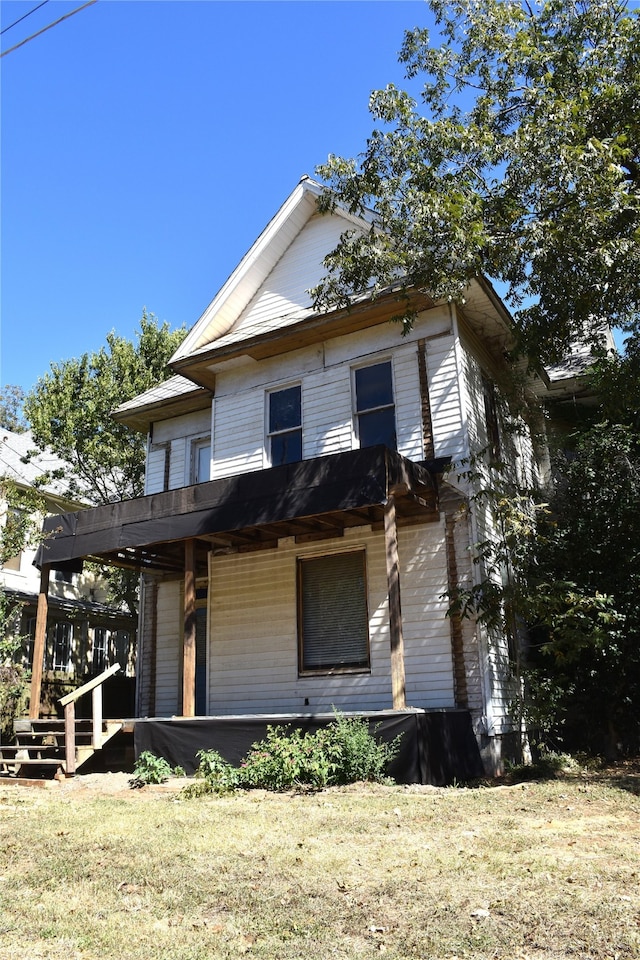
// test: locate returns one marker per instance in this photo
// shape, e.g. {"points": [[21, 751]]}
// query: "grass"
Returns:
{"points": [[533, 870]]}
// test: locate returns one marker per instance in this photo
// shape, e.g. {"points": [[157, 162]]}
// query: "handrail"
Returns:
{"points": [[95, 682], [69, 704]]}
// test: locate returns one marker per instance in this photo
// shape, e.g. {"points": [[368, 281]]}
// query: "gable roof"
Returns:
{"points": [[291, 261], [21, 463]]}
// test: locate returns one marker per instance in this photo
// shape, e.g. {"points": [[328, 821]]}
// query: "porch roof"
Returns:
{"points": [[312, 499]]}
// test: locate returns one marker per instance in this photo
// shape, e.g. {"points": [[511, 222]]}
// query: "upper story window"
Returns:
{"points": [[284, 419], [374, 405], [201, 460], [491, 418]]}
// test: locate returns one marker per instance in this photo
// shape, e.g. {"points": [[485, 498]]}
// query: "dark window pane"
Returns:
{"points": [[286, 448], [378, 427], [333, 617], [373, 386], [284, 409]]}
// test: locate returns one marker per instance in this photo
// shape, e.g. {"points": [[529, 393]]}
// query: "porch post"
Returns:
{"points": [[38, 643], [398, 686], [189, 641]]}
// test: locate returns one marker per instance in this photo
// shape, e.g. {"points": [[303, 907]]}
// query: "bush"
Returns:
{"points": [[14, 697], [343, 752], [152, 769]]}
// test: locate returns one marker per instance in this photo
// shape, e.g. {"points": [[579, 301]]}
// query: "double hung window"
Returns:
{"points": [[374, 405], [333, 623], [284, 420]]}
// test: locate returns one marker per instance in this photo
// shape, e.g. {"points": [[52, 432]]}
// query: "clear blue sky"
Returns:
{"points": [[146, 144]]}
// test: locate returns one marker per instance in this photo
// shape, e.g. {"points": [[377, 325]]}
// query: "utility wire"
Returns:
{"points": [[44, 29], [23, 17]]}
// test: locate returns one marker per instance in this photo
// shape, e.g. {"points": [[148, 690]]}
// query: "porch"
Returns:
{"points": [[176, 534]]}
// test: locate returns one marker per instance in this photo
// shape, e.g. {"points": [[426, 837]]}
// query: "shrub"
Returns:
{"points": [[342, 752], [152, 769], [286, 758], [355, 754], [214, 775], [14, 697]]}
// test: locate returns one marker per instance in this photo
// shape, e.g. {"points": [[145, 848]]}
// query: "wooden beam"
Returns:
{"points": [[398, 683], [455, 621], [425, 403], [189, 638], [38, 643]]}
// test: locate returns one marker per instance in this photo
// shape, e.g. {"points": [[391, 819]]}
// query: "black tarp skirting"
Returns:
{"points": [[436, 746]]}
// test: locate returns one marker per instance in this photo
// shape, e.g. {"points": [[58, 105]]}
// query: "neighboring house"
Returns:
{"points": [[84, 633], [300, 529]]}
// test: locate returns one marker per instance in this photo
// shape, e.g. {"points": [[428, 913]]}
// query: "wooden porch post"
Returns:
{"points": [[38, 644], [189, 642], [398, 685]]}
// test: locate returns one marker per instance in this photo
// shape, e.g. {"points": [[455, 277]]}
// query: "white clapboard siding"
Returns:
{"points": [[285, 290], [168, 648], [406, 383], [427, 634], [327, 419], [239, 433], [444, 394], [154, 475], [253, 656]]}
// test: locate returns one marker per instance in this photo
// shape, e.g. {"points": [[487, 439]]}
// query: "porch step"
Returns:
{"points": [[41, 743]]}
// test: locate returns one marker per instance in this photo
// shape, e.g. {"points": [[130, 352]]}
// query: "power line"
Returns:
{"points": [[23, 17], [44, 29]]}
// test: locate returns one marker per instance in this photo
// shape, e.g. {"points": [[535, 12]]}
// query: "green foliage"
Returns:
{"points": [[14, 678], [70, 413], [519, 159], [11, 415], [152, 769], [590, 546], [214, 775], [342, 752], [20, 523]]}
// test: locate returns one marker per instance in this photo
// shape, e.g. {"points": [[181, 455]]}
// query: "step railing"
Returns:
{"points": [[69, 703]]}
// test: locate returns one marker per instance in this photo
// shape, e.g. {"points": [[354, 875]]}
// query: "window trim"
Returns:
{"points": [[268, 434], [356, 413], [336, 670], [195, 445]]}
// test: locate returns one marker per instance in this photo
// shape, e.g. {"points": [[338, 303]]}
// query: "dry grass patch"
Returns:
{"points": [[539, 870]]}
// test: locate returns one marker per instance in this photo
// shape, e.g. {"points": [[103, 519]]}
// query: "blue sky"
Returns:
{"points": [[145, 145]]}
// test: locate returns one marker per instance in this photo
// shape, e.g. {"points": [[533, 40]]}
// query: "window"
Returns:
{"points": [[201, 460], [100, 649], [120, 648], [61, 636], [375, 410], [491, 418], [285, 426], [333, 622]]}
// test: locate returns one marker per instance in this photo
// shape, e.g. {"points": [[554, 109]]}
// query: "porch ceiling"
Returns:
{"points": [[310, 500]]}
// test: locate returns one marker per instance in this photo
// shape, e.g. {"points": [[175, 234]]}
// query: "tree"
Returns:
{"points": [[70, 411], [11, 416], [587, 554], [70, 414], [522, 163]]}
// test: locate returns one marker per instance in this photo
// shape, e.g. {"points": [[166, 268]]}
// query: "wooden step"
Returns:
{"points": [[41, 743]]}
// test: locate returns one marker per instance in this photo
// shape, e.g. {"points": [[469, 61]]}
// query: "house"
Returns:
{"points": [[301, 525], [84, 632]]}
